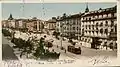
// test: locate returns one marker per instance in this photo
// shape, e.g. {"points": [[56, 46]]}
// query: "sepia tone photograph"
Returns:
{"points": [[45, 31]]}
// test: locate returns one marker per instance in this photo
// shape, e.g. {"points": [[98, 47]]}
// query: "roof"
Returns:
{"points": [[51, 21], [71, 16], [106, 10]]}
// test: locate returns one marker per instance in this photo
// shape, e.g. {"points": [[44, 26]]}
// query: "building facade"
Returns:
{"points": [[35, 25], [70, 26], [99, 26], [5, 24], [51, 24]]}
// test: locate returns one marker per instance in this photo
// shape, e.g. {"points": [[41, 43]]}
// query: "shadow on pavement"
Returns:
{"points": [[8, 53]]}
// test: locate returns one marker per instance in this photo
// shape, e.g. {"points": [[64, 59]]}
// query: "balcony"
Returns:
{"points": [[97, 19]]}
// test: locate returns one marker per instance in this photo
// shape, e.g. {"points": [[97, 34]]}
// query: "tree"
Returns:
{"points": [[6, 32], [40, 51]]}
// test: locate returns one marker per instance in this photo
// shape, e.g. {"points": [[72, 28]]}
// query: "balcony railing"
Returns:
{"points": [[97, 19]]}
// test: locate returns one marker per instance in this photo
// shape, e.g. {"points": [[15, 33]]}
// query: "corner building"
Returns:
{"points": [[99, 27]]}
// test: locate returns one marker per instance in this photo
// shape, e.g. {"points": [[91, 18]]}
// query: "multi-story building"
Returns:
{"points": [[70, 26], [51, 24], [35, 25], [99, 26], [16, 23], [21, 23]]}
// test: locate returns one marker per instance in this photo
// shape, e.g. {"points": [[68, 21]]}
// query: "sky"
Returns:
{"points": [[50, 9]]}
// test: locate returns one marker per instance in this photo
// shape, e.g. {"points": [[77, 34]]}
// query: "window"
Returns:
{"points": [[67, 28], [96, 28], [106, 23], [86, 26], [77, 28], [101, 30], [101, 24], [89, 18], [93, 22], [82, 25], [112, 23], [96, 24], [111, 30], [73, 28], [74, 22], [89, 31], [92, 26], [97, 32], [89, 27], [106, 31]]}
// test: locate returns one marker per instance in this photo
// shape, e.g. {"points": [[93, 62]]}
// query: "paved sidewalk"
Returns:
{"points": [[7, 51]]}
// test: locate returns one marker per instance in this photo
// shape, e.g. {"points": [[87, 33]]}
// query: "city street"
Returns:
{"points": [[85, 51], [60, 33], [10, 53]]}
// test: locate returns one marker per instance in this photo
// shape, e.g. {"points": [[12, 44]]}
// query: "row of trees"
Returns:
{"points": [[24, 46], [43, 53], [27, 47], [6, 32]]}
